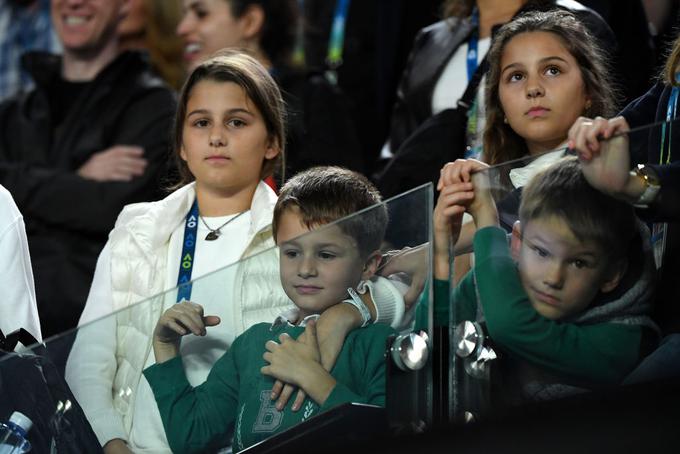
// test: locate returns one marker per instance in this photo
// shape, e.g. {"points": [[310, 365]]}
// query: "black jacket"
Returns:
{"points": [[320, 127], [68, 218], [433, 48]]}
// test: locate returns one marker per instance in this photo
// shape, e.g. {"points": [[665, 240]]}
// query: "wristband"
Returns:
{"points": [[356, 301]]}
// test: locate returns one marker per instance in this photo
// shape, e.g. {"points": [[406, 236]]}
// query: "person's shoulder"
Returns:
{"points": [[442, 26], [173, 202], [9, 212], [132, 71]]}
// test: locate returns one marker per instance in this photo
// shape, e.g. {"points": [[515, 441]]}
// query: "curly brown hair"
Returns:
{"points": [[501, 142]]}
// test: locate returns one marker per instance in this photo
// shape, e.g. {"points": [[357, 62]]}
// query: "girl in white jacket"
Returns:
{"points": [[229, 135]]}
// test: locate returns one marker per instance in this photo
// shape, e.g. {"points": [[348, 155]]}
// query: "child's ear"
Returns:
{"points": [[516, 240], [273, 149], [183, 153], [615, 275], [371, 265], [252, 21]]}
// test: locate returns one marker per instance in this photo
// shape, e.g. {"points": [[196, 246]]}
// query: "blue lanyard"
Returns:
{"points": [[472, 57], [337, 38], [671, 114], [186, 263]]}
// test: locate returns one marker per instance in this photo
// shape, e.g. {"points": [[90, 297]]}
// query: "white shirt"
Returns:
{"points": [[451, 85], [18, 308], [454, 79]]}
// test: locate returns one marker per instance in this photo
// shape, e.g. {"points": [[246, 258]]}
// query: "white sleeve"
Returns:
{"points": [[91, 365], [18, 308], [100, 299], [388, 297]]}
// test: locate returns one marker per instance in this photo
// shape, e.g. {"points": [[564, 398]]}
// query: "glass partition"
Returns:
{"points": [[385, 367], [522, 326]]}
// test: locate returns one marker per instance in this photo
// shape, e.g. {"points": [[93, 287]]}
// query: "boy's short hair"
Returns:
{"points": [[562, 190], [326, 194]]}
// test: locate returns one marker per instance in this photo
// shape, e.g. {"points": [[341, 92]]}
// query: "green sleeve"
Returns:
{"points": [[196, 419], [465, 300], [441, 302], [367, 362], [602, 353]]}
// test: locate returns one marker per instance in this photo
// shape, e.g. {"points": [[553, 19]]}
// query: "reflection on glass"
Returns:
{"points": [[107, 360], [559, 297]]}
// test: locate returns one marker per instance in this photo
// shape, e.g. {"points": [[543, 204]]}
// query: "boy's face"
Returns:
{"points": [[560, 273], [317, 268]]}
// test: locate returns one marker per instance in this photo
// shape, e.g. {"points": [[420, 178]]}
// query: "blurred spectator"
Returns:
{"points": [[89, 139], [320, 130], [26, 26], [378, 38], [662, 16], [151, 25], [635, 58]]}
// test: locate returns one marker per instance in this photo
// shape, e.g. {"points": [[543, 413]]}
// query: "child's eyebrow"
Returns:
{"points": [[237, 110], [541, 61], [577, 251]]}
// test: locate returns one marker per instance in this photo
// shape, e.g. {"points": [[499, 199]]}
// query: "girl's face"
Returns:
{"points": [[225, 140], [541, 89], [208, 26], [134, 22]]}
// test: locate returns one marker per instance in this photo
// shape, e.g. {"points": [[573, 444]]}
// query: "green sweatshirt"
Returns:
{"points": [[235, 398], [597, 353]]}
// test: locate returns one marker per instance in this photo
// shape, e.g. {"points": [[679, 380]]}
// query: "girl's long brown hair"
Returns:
{"points": [[242, 69], [501, 142]]}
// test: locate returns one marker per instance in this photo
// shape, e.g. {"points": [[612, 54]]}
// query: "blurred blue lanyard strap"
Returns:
{"points": [[337, 38], [671, 114], [186, 263], [472, 57]]}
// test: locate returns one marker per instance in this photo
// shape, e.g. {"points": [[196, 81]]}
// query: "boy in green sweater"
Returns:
{"points": [[555, 299], [318, 269]]}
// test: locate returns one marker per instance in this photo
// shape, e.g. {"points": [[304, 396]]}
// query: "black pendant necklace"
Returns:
{"points": [[215, 233]]}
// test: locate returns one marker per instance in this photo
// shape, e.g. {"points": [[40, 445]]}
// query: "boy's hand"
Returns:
{"points": [[299, 363], [481, 205], [448, 220], [412, 261], [332, 327], [483, 208], [181, 319], [459, 171]]}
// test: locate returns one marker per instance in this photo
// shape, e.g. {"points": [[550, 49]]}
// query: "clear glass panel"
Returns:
{"points": [[577, 312], [104, 369]]}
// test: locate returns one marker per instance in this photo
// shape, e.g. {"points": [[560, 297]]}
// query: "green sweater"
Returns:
{"points": [[237, 396], [596, 353]]}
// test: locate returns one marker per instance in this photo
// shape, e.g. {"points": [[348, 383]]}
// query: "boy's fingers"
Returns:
{"points": [[190, 323], [311, 329], [276, 389], [284, 397], [299, 399], [267, 356], [271, 345], [176, 327], [211, 320]]}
